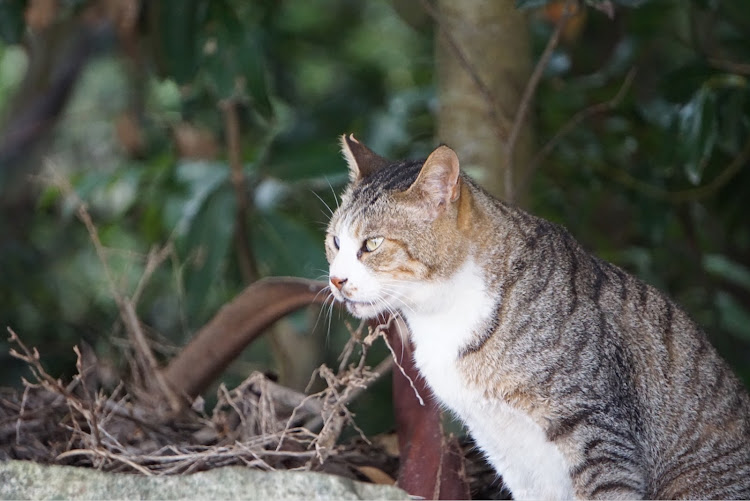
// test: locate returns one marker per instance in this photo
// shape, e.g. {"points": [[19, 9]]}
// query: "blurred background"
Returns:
{"points": [[204, 133]]}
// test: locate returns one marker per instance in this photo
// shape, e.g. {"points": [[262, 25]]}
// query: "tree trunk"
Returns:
{"points": [[483, 63]]}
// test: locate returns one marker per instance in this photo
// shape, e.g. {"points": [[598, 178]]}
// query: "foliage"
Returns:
{"points": [[147, 153], [651, 175], [658, 182]]}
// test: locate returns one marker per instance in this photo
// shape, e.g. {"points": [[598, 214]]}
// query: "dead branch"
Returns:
{"points": [[234, 327], [731, 66], [382, 330], [146, 361], [105, 432], [153, 261]]}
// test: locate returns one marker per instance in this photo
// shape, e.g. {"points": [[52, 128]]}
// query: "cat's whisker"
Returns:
{"points": [[335, 196], [396, 314], [399, 284], [391, 309], [386, 306], [395, 290], [331, 309], [324, 305], [330, 211], [392, 295], [323, 277]]}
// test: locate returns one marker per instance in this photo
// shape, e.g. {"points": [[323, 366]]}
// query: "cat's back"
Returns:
{"points": [[613, 356], [695, 411]]}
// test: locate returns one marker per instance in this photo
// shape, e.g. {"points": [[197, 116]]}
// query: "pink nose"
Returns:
{"points": [[338, 282]]}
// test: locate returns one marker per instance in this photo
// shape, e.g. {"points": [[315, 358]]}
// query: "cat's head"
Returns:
{"points": [[395, 231]]}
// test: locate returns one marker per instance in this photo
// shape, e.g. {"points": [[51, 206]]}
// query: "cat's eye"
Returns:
{"points": [[373, 243], [336, 242]]}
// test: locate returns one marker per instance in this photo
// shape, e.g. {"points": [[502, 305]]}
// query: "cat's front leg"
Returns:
{"points": [[532, 467], [608, 470]]}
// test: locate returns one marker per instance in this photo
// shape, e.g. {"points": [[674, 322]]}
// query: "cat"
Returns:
{"points": [[575, 379]]}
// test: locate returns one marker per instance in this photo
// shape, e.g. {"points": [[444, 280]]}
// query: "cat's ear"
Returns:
{"points": [[437, 182], [361, 159]]}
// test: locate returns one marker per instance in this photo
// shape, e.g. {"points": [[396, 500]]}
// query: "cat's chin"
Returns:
{"points": [[363, 310]]}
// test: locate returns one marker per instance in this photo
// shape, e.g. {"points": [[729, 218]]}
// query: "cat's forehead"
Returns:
{"points": [[395, 177], [359, 221], [367, 206], [364, 220]]}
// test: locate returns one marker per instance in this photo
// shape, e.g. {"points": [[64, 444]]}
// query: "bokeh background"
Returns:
{"points": [[206, 132]]}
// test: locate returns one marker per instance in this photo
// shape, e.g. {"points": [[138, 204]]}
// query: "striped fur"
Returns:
{"points": [[614, 377]]}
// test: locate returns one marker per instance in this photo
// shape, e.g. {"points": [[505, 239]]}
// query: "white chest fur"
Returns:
{"points": [[443, 323]]}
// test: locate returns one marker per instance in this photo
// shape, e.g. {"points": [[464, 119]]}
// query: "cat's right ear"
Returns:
{"points": [[437, 184], [362, 160]]}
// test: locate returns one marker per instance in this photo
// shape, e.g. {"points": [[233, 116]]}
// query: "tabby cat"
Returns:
{"points": [[576, 379]]}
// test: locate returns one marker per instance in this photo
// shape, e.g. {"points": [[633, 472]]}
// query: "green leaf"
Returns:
{"points": [[284, 245], [207, 243], [679, 85], [199, 179], [734, 317], [11, 20], [698, 132], [726, 269], [176, 24], [306, 161]]}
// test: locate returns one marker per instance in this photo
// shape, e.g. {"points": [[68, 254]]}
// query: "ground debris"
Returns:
{"points": [[259, 424]]}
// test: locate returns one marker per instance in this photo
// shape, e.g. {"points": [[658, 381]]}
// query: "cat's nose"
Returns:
{"points": [[338, 282]]}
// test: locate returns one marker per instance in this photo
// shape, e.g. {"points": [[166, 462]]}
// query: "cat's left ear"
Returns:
{"points": [[361, 159], [437, 182]]}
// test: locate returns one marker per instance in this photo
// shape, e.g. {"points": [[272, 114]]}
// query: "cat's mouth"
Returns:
{"points": [[361, 309]]}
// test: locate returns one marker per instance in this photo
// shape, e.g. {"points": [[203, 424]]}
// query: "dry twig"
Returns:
{"points": [[253, 424], [144, 355], [528, 95]]}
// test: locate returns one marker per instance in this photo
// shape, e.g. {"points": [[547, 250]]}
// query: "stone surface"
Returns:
{"points": [[27, 480]]}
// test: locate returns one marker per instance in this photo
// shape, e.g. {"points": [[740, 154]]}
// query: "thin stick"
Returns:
{"points": [[154, 260], [134, 327], [395, 361], [732, 66], [528, 95], [234, 151], [688, 195], [125, 305], [582, 115]]}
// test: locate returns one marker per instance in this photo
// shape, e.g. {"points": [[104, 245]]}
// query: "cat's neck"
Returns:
{"points": [[453, 310], [446, 312]]}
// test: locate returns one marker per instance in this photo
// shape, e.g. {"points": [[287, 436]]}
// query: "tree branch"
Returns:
{"points": [[688, 195], [145, 356], [234, 151], [573, 122], [528, 95], [234, 327], [734, 67]]}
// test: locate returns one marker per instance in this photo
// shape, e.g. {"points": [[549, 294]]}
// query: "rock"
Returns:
{"points": [[28, 480]]}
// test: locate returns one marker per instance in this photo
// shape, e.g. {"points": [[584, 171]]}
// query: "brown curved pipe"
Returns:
{"points": [[234, 327]]}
